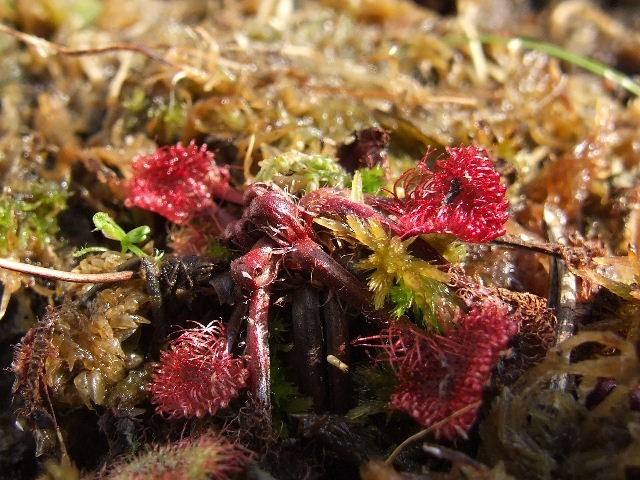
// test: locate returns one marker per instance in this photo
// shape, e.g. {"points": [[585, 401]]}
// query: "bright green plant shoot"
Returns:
{"points": [[588, 64], [111, 230]]}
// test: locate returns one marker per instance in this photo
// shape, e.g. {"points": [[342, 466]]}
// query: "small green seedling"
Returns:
{"points": [[111, 230]]}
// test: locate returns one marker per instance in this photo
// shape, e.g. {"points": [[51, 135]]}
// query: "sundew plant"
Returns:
{"points": [[310, 239]]}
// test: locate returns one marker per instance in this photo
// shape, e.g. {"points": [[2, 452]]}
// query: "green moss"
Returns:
{"points": [[373, 179], [300, 172], [218, 250], [166, 119], [136, 101], [428, 302], [406, 281], [28, 219], [374, 385]]}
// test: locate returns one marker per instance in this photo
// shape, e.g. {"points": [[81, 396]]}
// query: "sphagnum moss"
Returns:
{"points": [[211, 93]]}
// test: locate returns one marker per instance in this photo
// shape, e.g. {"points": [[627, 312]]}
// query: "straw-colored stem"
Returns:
{"points": [[109, 277]]}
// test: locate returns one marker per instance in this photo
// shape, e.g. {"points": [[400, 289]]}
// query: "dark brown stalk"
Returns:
{"points": [[238, 314], [336, 332], [539, 246], [307, 338]]}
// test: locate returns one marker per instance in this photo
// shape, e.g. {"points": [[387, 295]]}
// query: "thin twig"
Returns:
{"points": [[539, 246], [423, 433], [48, 47], [109, 277]]}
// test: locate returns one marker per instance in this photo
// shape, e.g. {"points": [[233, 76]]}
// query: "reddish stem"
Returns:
{"points": [[308, 256], [224, 191], [254, 273], [335, 202], [274, 213], [221, 216], [258, 346]]}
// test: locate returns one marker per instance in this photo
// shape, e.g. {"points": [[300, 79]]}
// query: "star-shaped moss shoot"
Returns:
{"points": [[461, 196], [396, 275]]}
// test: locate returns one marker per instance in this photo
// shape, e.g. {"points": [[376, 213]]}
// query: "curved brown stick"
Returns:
{"points": [[50, 47], [46, 47], [539, 246], [423, 433], [109, 277]]}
